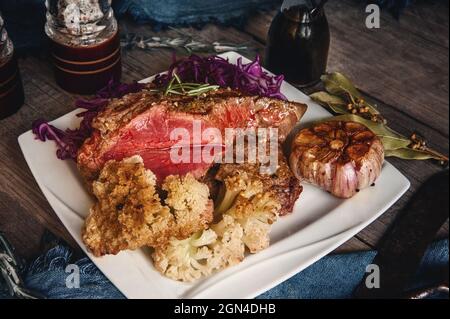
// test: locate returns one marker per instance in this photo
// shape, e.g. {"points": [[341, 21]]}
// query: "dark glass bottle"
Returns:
{"points": [[298, 42]]}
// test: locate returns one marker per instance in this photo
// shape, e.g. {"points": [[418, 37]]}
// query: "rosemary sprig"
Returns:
{"points": [[177, 87], [184, 42]]}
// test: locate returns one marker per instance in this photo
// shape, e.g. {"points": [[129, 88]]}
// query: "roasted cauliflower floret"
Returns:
{"points": [[282, 183], [247, 199], [203, 253], [188, 259], [256, 216], [229, 249], [190, 204], [239, 183], [128, 213]]}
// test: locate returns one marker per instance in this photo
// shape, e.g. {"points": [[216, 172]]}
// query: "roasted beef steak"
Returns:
{"points": [[141, 124]]}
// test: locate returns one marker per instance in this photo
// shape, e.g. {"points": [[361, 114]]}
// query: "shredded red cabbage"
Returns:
{"points": [[249, 78], [44, 131], [69, 141]]}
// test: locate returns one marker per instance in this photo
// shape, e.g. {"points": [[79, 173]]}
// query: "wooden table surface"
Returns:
{"points": [[403, 67]]}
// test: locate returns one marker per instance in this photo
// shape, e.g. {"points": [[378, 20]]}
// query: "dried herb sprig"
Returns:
{"points": [[177, 87], [183, 42], [342, 97]]}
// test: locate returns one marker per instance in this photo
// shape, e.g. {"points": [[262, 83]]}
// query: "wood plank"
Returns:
{"points": [[401, 64], [18, 186], [429, 20], [22, 232], [352, 245]]}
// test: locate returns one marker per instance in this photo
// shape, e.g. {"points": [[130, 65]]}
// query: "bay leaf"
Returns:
{"points": [[378, 128], [338, 84], [334, 102], [391, 140], [410, 154], [394, 143]]}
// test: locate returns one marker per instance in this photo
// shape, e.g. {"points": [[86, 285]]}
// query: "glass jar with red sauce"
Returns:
{"points": [[85, 44]]}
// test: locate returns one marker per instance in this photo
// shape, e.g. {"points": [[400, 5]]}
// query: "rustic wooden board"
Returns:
{"points": [[402, 67]]}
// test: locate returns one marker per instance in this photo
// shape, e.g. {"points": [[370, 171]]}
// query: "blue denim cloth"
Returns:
{"points": [[181, 12], [334, 276]]}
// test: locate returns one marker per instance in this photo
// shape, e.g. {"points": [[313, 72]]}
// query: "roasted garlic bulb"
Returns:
{"points": [[339, 157]]}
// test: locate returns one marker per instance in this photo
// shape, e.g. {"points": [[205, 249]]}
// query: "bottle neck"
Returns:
{"points": [[302, 12], [80, 22], [296, 3]]}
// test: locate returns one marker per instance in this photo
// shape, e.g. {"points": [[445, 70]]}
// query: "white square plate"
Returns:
{"points": [[319, 224]]}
